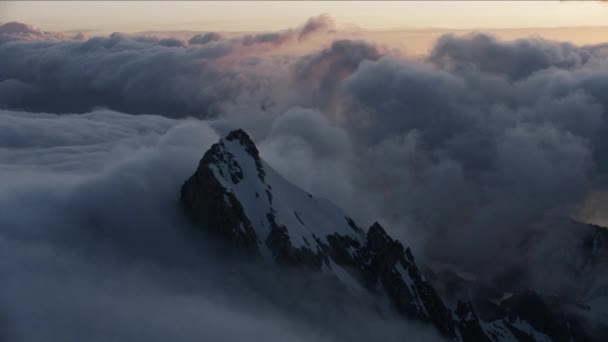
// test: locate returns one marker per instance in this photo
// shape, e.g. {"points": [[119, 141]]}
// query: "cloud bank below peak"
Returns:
{"points": [[458, 153], [94, 246]]}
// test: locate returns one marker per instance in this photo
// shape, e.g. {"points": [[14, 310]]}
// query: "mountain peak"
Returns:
{"points": [[237, 195], [240, 136], [280, 220]]}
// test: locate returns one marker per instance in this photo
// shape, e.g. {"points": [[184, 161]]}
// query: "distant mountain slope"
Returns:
{"points": [[235, 194]]}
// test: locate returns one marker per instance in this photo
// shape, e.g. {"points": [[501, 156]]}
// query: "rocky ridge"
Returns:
{"points": [[236, 195]]}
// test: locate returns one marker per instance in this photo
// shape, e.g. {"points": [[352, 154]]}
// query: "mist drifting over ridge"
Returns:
{"points": [[458, 154]]}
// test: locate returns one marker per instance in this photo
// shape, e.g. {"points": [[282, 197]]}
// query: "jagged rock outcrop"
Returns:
{"points": [[468, 323], [208, 203], [531, 308], [236, 195], [401, 279]]}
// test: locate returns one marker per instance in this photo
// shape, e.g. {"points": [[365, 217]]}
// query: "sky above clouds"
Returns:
{"points": [[272, 15]]}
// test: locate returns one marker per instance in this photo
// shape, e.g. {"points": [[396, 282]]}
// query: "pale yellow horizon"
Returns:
{"points": [[137, 16]]}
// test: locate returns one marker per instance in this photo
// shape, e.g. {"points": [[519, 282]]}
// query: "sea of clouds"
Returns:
{"points": [[459, 154]]}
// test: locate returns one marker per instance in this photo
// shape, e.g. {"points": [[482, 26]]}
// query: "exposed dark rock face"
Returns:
{"points": [[214, 198], [285, 254], [244, 140], [394, 267], [531, 308], [468, 323], [339, 250], [594, 246], [210, 206], [380, 262]]}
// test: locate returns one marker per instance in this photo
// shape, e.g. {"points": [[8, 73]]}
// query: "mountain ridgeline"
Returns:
{"points": [[238, 196]]}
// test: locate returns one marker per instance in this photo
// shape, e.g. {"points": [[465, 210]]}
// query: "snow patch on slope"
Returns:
{"points": [[264, 193]]}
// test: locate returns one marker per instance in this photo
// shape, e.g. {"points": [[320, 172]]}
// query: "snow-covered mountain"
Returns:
{"points": [[237, 195]]}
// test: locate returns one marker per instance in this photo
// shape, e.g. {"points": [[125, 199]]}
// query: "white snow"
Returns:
{"points": [[255, 207], [319, 216], [316, 217], [306, 218]]}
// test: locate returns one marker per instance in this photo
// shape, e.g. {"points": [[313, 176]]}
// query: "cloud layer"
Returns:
{"points": [[460, 154], [94, 246]]}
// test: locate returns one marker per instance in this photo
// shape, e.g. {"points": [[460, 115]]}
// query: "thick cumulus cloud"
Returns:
{"points": [[517, 59], [137, 74], [319, 76], [457, 154], [14, 31], [472, 150], [322, 23], [94, 245], [303, 145], [313, 26], [204, 38]]}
